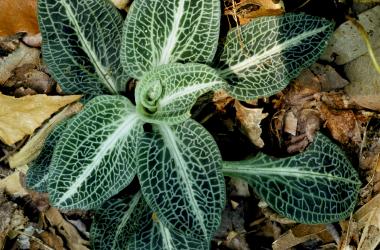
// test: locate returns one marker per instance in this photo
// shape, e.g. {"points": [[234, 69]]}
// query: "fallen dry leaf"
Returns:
{"points": [[18, 16], [246, 10], [250, 119], [21, 116], [364, 88], [33, 147], [22, 55]]}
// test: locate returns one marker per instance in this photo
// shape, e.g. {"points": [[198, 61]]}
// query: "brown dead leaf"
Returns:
{"points": [[21, 116], [68, 231], [33, 147], [250, 119], [221, 99], [22, 55], [18, 16], [246, 10], [52, 240]]}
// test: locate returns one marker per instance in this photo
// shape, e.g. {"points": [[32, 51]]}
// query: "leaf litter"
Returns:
{"points": [[314, 101]]}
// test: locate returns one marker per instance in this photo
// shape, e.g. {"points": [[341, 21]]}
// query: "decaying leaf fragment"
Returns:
{"points": [[245, 10], [121, 4], [22, 55], [21, 116], [250, 119]]}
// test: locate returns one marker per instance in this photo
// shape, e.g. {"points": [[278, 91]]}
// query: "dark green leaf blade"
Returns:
{"points": [[317, 186], [158, 32], [95, 157], [116, 222], [81, 44], [38, 171], [167, 93], [260, 58], [181, 180]]}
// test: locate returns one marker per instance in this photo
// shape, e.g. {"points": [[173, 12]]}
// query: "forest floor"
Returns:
{"points": [[323, 98]]}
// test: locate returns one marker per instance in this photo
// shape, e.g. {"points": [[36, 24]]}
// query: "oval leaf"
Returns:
{"points": [[181, 180], [317, 186], [94, 158], [158, 32], [260, 58], [37, 175], [167, 93], [116, 222], [81, 41]]}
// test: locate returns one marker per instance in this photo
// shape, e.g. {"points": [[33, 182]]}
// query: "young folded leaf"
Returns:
{"points": [[116, 222], [317, 186], [158, 32], [95, 157], [260, 58], [81, 43], [179, 170], [167, 93], [37, 175], [156, 236]]}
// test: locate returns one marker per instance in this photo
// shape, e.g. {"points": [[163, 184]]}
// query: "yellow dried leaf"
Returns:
{"points": [[12, 184], [21, 116], [33, 147]]}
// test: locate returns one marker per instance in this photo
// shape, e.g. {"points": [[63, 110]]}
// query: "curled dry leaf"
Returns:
{"points": [[250, 119], [21, 116], [68, 231], [18, 16], [22, 55], [368, 219], [246, 10], [301, 234], [33, 147]]}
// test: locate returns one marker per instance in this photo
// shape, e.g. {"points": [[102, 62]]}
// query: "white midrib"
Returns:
{"points": [[257, 59], [173, 36], [167, 241], [124, 129], [186, 91], [285, 172], [170, 141], [104, 73]]}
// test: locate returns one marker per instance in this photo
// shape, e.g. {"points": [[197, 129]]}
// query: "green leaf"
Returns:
{"points": [[95, 157], [260, 58], [167, 93], [116, 222], [158, 32], [181, 179], [37, 175], [81, 45], [155, 236], [317, 186]]}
